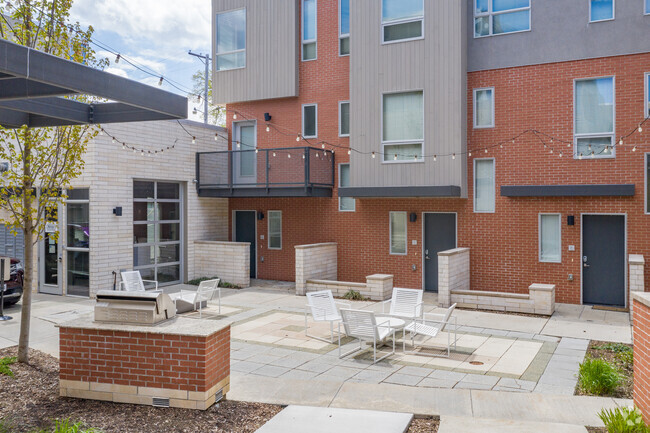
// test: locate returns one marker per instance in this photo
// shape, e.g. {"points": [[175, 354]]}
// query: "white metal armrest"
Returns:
{"points": [[151, 281], [308, 309], [381, 324], [383, 305], [347, 305]]}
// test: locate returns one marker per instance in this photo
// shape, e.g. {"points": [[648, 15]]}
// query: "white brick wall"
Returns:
{"points": [[378, 287], [230, 261], [539, 300], [637, 283], [315, 262], [453, 273]]}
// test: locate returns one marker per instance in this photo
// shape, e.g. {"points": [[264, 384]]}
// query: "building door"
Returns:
{"points": [[50, 258], [245, 231], [603, 260], [439, 235], [244, 159]]}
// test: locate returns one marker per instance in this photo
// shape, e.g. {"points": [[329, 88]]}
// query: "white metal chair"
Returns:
{"points": [[132, 282], [406, 304], [190, 300], [362, 325], [431, 328], [323, 308]]}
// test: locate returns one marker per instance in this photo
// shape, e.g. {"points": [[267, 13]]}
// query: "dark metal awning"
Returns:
{"points": [[609, 190], [32, 86]]}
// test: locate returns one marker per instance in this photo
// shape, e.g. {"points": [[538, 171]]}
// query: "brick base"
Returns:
{"points": [[641, 322]]}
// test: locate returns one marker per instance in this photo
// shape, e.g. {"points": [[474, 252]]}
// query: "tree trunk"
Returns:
{"points": [[28, 230]]}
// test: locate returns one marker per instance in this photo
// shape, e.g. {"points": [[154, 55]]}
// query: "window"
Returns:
{"points": [[484, 108], [398, 233], [344, 27], [484, 188], [403, 126], [550, 238], [78, 242], [647, 7], [275, 230], [310, 121], [344, 119], [231, 40], [601, 10], [308, 30], [647, 178], [496, 17], [346, 204], [594, 118], [646, 102], [402, 20]]}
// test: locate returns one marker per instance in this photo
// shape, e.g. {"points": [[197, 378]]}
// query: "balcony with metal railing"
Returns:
{"points": [[281, 172]]}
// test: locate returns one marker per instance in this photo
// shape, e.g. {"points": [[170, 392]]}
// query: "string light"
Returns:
{"points": [[268, 128], [194, 141], [161, 81], [470, 153], [486, 151], [435, 158], [289, 155], [634, 149], [349, 152], [298, 137], [395, 157], [274, 154], [453, 156], [234, 116], [373, 155], [640, 127], [216, 137], [117, 59]]}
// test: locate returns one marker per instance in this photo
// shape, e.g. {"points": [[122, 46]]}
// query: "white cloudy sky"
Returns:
{"points": [[156, 34]]}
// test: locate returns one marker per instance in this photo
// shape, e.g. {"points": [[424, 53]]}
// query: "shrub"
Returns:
{"points": [[66, 426], [598, 377], [623, 420], [353, 295], [4, 366], [224, 284]]}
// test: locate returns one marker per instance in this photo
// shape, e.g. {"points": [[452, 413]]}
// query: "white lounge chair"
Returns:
{"points": [[405, 304], [431, 328], [362, 325], [323, 308], [191, 300], [132, 282]]}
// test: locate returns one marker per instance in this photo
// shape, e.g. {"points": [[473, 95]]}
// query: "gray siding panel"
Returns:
{"points": [[560, 31], [10, 245], [272, 43], [436, 65]]}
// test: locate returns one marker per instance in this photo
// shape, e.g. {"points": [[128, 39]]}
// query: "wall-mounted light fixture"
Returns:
{"points": [[260, 216], [267, 117], [413, 217], [117, 211], [570, 220]]}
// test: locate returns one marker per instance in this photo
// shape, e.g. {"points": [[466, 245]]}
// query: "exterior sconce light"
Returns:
{"points": [[413, 217], [267, 117], [117, 211], [260, 216]]}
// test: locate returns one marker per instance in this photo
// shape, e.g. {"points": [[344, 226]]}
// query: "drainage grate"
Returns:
{"points": [[476, 363], [218, 396], [160, 402]]}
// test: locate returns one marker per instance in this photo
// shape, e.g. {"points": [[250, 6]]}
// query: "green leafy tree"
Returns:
{"points": [[216, 113], [42, 162]]}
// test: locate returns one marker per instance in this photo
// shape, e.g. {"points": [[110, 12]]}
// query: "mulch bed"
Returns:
{"points": [[509, 313], [31, 401], [424, 425], [597, 429], [626, 388]]}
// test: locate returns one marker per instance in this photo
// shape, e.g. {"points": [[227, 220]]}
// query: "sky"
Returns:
{"points": [[155, 34]]}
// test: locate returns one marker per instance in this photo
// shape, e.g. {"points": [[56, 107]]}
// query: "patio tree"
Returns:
{"points": [[216, 113], [42, 162]]}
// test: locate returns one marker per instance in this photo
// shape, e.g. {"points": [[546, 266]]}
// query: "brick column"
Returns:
{"points": [[315, 262], [453, 274], [641, 322], [380, 286], [637, 283]]}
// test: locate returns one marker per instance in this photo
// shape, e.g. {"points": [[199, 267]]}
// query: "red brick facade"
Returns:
{"points": [[642, 358]]}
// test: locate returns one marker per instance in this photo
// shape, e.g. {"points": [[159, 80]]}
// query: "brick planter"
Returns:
{"points": [[181, 363], [642, 352]]}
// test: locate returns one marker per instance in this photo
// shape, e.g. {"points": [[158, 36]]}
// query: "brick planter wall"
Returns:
{"points": [[230, 261], [184, 360], [641, 333], [453, 273], [315, 262]]}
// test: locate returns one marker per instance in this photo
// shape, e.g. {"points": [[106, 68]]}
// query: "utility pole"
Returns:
{"points": [[205, 58]]}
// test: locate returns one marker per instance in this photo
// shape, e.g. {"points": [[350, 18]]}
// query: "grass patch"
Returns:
{"points": [[223, 284], [598, 377], [623, 420], [618, 355], [4, 367], [613, 347], [59, 426]]}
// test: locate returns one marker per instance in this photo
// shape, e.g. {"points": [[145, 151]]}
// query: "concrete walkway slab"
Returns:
{"points": [[620, 333], [327, 420], [271, 390], [454, 425]]}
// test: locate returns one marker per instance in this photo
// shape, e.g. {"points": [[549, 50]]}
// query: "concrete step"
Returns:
{"points": [[450, 424]]}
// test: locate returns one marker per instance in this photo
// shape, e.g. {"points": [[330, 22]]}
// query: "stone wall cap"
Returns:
{"points": [[642, 297], [453, 252], [177, 326], [379, 277], [225, 243], [543, 287], [636, 259], [490, 294], [335, 283], [324, 244]]}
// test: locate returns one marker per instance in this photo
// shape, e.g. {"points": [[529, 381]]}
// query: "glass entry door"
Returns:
{"points": [[50, 262], [78, 243], [245, 158]]}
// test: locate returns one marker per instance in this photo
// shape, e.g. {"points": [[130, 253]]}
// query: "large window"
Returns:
{"points": [[484, 108], [231, 40], [344, 119], [550, 238], [344, 27], [647, 7], [496, 17], [275, 230], [346, 204], [403, 126], [402, 20], [309, 51], [78, 242], [398, 233], [310, 121], [484, 188], [157, 230], [601, 10], [594, 118]]}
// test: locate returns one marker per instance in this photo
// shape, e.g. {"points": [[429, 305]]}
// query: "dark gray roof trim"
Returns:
{"points": [[32, 84], [625, 190], [400, 191], [278, 192]]}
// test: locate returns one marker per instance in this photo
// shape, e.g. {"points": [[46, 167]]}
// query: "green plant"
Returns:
{"points": [[224, 284], [597, 376], [67, 426], [623, 420], [4, 367], [614, 347], [625, 358], [353, 295], [6, 426]]}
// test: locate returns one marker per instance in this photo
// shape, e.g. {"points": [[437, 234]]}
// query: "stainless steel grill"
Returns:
{"points": [[134, 308]]}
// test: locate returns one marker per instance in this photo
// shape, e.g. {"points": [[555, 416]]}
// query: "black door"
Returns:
{"points": [[603, 260], [439, 235], [245, 232]]}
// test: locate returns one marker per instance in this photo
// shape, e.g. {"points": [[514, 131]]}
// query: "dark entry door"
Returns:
{"points": [[439, 235], [603, 260], [245, 232]]}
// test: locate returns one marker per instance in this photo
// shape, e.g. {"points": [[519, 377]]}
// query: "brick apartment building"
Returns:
{"points": [[416, 126]]}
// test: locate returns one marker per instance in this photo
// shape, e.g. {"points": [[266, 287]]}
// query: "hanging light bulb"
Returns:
{"points": [[256, 150], [161, 81], [193, 140], [634, 148], [580, 156], [470, 153], [486, 150], [551, 150], [134, 150], [289, 155], [607, 149], [317, 154], [415, 157], [322, 146], [194, 111], [142, 152], [216, 137], [101, 132], [234, 116], [395, 157], [620, 142], [373, 155], [303, 156], [117, 59], [453, 156], [123, 146], [501, 145], [560, 154], [640, 128], [592, 154], [349, 152], [268, 128], [298, 137], [274, 154], [435, 158], [113, 140], [589, 147]]}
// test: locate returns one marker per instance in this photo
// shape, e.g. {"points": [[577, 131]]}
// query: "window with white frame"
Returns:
{"points": [[647, 7], [550, 238], [496, 17], [275, 229], [344, 27], [398, 233], [231, 40], [310, 121], [601, 10], [344, 119], [594, 118], [484, 108], [402, 20], [646, 101], [403, 126], [484, 188], [346, 204], [309, 51]]}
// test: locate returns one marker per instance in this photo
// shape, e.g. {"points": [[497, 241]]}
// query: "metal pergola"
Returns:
{"points": [[33, 86]]}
